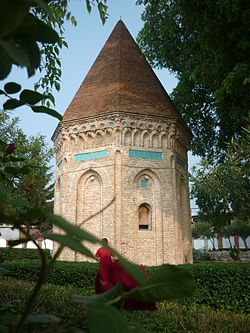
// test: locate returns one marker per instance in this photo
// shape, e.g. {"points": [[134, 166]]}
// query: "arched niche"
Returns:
{"points": [[127, 137], [145, 140], [155, 140], [89, 203], [137, 138]]}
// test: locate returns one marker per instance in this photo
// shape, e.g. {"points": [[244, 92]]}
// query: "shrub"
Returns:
{"points": [[10, 253], [201, 255], [169, 317], [219, 285], [64, 273]]}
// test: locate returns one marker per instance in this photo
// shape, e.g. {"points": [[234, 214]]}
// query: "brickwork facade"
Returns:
{"points": [[139, 161]]}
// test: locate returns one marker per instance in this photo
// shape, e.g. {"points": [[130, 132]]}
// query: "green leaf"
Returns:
{"points": [[44, 109], [31, 96], [12, 104], [39, 30], [73, 243], [69, 228], [5, 64], [57, 85], [12, 14], [168, 282], [112, 296], [12, 87], [65, 44], [16, 53], [106, 318], [52, 98], [34, 55], [43, 319], [88, 6], [44, 6]]}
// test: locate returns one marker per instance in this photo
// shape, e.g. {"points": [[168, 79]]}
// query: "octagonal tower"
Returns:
{"points": [[122, 138]]}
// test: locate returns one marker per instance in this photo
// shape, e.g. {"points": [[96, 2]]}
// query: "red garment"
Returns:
{"points": [[117, 274], [105, 259]]}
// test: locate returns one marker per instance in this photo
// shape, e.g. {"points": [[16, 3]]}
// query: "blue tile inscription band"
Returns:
{"points": [[91, 155], [148, 155]]}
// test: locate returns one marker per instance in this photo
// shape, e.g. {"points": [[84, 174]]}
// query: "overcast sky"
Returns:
{"points": [[85, 42]]}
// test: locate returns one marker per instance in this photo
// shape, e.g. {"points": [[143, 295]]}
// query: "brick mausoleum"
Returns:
{"points": [[121, 137]]}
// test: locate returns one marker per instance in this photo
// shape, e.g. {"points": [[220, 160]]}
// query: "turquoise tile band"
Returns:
{"points": [[148, 155], [91, 155]]}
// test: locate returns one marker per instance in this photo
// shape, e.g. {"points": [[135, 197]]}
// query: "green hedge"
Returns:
{"points": [[9, 253], [64, 273], [169, 317], [219, 285]]}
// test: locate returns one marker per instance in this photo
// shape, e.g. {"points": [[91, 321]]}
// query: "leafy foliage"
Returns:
{"points": [[207, 45], [169, 317], [204, 230], [242, 229], [32, 36], [217, 285], [17, 254], [25, 173], [221, 190]]}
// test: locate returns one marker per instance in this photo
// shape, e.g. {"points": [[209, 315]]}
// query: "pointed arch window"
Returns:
{"points": [[145, 216]]}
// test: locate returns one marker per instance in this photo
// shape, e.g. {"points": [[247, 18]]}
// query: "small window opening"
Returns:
{"points": [[143, 226], [144, 217]]}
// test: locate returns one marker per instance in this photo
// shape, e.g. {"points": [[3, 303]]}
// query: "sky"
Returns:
{"points": [[85, 42]]}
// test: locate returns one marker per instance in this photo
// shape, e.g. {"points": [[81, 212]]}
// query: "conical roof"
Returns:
{"points": [[120, 80]]}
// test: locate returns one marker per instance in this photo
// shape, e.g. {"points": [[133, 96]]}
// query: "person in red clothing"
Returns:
{"points": [[112, 273], [104, 256], [119, 275]]}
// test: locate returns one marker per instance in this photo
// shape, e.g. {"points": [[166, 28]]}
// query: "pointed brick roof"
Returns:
{"points": [[120, 80]]}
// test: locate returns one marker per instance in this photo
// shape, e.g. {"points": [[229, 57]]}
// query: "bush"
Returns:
{"points": [[169, 317], [55, 300], [10, 253], [219, 285], [201, 255], [64, 273]]}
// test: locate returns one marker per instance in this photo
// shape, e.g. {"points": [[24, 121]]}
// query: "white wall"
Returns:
{"points": [[200, 244], [6, 234]]}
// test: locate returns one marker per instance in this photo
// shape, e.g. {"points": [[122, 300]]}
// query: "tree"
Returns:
{"points": [[33, 155], [242, 229], [31, 36], [204, 230], [222, 190], [207, 45]]}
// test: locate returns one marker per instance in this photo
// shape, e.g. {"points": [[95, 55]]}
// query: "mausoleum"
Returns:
{"points": [[122, 139]]}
